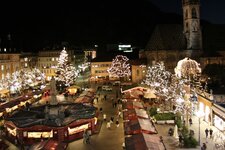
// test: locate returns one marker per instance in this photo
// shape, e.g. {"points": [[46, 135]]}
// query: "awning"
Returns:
{"points": [[144, 142], [149, 95], [137, 105], [147, 125], [153, 142]]}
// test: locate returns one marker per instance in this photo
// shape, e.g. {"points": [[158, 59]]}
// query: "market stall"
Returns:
{"points": [[144, 141]]}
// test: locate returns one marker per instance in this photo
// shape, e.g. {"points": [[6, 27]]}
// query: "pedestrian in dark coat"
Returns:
{"points": [[112, 118], [206, 132], [190, 121], [203, 146], [210, 133]]}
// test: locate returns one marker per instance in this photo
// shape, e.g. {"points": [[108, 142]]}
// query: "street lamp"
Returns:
{"points": [[199, 114]]}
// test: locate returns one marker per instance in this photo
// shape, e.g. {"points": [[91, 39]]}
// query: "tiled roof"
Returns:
{"points": [[167, 37]]}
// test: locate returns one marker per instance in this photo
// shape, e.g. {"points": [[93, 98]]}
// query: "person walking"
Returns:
{"points": [[112, 118], [85, 137], [210, 133], [88, 138], [190, 121], [203, 146], [108, 125], [206, 132], [117, 123], [119, 114], [104, 117], [100, 109]]}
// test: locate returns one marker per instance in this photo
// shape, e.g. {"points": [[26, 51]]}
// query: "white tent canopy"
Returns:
{"points": [[149, 95], [138, 104]]}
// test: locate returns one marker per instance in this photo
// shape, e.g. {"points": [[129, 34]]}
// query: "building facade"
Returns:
{"points": [[48, 60]]}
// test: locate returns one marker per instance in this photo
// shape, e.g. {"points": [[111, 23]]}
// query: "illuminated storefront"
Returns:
{"points": [[204, 106], [218, 117], [219, 123]]}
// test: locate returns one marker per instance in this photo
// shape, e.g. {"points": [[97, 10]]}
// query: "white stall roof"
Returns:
{"points": [[146, 125], [138, 105], [141, 113]]}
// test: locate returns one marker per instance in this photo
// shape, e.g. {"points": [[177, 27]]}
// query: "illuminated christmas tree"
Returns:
{"points": [[167, 87], [157, 77], [65, 73], [120, 67]]}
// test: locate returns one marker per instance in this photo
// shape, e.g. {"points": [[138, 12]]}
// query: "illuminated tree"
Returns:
{"points": [[157, 77], [120, 67], [167, 87], [65, 73]]}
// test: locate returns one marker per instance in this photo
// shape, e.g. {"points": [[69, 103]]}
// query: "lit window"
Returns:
{"points": [[26, 59], [2, 67], [4, 49], [53, 59], [25, 64]]}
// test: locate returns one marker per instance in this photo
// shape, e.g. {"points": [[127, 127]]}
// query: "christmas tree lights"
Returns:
{"points": [[120, 67]]}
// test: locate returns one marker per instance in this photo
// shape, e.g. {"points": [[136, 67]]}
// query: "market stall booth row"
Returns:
{"points": [[143, 141], [129, 114], [139, 125], [132, 105]]}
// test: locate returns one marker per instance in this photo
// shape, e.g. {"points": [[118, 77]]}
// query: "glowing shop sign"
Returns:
{"points": [[40, 134], [77, 129]]}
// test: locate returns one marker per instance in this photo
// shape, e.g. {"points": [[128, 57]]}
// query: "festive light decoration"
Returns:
{"points": [[187, 68], [166, 86], [22, 79], [120, 67], [65, 72]]}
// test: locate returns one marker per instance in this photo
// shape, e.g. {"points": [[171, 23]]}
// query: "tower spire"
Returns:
{"points": [[191, 24]]}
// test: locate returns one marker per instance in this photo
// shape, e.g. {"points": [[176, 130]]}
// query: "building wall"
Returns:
{"points": [[99, 70], [9, 63], [170, 58], [138, 73], [48, 60]]}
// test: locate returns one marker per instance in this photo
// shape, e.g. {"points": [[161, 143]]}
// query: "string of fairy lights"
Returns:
{"points": [[172, 87], [120, 67]]}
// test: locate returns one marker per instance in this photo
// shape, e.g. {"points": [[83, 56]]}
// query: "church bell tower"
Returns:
{"points": [[191, 22]]}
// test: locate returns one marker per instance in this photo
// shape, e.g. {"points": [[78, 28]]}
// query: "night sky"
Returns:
{"points": [[87, 22]]}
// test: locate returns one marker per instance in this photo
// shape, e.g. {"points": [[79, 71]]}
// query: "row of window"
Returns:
{"points": [[45, 65], [101, 65], [101, 71], [50, 59], [48, 71]]}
